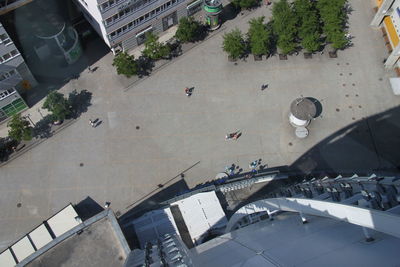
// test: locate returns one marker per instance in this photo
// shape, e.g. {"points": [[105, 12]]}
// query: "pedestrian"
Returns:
{"points": [[187, 91], [236, 135], [89, 69], [91, 123], [264, 86]]}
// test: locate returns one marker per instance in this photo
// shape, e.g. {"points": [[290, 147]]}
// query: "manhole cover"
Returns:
{"points": [[353, 84], [120, 258], [290, 144], [338, 64], [353, 119], [137, 127], [360, 106], [350, 107], [356, 95], [118, 213], [347, 63], [344, 85], [350, 73], [380, 79], [341, 74], [19, 205], [81, 164], [347, 95], [337, 110]]}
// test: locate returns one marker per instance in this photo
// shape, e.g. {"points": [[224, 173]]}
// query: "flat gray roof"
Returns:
{"points": [[97, 245]]}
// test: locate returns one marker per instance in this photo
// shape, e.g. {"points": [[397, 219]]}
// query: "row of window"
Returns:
{"points": [[7, 75], [155, 12], [126, 12], [7, 93], [109, 4], [9, 56], [4, 39]]}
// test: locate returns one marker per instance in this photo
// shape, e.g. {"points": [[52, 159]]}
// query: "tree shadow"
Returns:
{"points": [[145, 65], [79, 102], [42, 128], [6, 148], [229, 12]]}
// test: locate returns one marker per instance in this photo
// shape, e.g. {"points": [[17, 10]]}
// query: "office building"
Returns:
{"points": [[387, 18], [123, 23], [15, 77]]}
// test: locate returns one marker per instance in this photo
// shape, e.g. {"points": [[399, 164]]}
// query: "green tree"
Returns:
{"points": [[309, 28], [153, 49], [259, 37], [188, 29], [284, 26], [333, 16], [20, 128], [125, 64], [234, 44], [245, 4], [58, 105]]}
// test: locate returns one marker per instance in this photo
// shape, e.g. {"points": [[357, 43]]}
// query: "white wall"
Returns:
{"points": [[96, 19]]}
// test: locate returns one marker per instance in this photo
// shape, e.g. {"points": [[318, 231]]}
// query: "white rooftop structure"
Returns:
{"points": [[23, 248], [285, 241], [60, 223], [200, 213], [63, 221], [7, 259], [40, 236]]}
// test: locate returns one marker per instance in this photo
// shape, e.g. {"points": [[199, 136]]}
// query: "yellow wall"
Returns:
{"points": [[394, 38]]}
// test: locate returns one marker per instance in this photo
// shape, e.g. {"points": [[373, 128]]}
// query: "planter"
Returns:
{"points": [[257, 57], [307, 55], [231, 59], [282, 57], [332, 54]]}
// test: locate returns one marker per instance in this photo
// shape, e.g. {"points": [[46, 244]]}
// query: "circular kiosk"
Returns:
{"points": [[212, 9], [302, 111]]}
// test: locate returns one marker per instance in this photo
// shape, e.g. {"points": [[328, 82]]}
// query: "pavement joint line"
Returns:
{"points": [[162, 66], [35, 143]]}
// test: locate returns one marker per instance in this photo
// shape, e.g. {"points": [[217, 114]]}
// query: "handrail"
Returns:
{"points": [[374, 219]]}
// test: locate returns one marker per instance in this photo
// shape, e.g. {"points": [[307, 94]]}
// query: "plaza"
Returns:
{"points": [[152, 132]]}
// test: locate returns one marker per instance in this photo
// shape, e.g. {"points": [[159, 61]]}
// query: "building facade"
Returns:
{"points": [[387, 18], [15, 77], [123, 23]]}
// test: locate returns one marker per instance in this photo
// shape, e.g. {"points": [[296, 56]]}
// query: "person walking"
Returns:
{"points": [[187, 91], [91, 123]]}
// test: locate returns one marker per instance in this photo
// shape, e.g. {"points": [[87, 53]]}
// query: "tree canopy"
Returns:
{"points": [[58, 105], [125, 64], [234, 44], [153, 49], [309, 26], [259, 37], [333, 16], [20, 128], [188, 30], [284, 26]]}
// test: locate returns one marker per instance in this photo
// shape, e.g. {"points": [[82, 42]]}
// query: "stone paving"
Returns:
{"points": [[152, 132]]}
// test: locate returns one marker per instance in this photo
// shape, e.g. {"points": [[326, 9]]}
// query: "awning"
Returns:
{"points": [[144, 31], [194, 4]]}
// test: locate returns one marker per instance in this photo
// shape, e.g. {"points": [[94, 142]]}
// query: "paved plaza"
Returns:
{"points": [[151, 132]]}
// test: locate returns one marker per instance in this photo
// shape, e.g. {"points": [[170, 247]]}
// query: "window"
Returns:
{"points": [[5, 39], [6, 57], [14, 53]]}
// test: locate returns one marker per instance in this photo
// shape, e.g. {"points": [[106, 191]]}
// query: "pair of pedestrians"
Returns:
{"points": [[93, 123]]}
